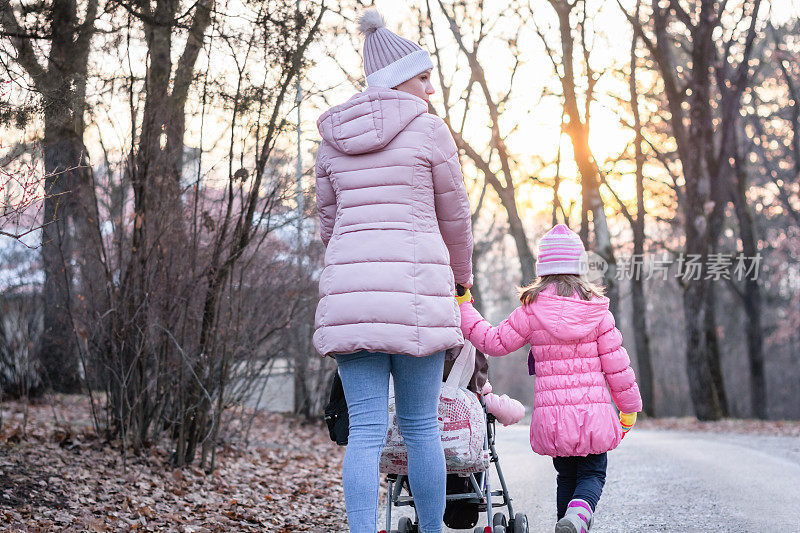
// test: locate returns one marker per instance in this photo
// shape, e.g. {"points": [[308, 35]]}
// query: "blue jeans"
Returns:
{"points": [[417, 383], [579, 477]]}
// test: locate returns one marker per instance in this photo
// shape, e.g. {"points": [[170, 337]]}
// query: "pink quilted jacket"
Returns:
{"points": [[578, 355], [395, 217]]}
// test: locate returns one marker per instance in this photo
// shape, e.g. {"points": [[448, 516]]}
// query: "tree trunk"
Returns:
{"points": [[641, 338], [751, 298], [578, 130], [641, 333], [590, 186], [606, 250], [527, 262], [701, 386], [695, 147], [755, 349], [69, 176], [57, 350], [714, 351], [704, 393], [69, 205]]}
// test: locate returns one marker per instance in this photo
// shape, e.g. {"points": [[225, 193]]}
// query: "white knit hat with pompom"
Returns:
{"points": [[389, 60]]}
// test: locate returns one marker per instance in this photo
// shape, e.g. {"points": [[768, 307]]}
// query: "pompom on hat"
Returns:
{"points": [[561, 251], [389, 60]]}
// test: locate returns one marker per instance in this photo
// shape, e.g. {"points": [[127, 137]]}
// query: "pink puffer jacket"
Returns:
{"points": [[395, 218], [577, 351]]}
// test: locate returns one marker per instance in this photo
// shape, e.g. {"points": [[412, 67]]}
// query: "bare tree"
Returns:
{"points": [[502, 180], [159, 327], [774, 68], [68, 182], [788, 70], [248, 202], [572, 25], [637, 222], [697, 72]]}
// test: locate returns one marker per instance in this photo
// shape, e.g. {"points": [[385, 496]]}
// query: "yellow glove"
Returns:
{"points": [[627, 420], [466, 298]]}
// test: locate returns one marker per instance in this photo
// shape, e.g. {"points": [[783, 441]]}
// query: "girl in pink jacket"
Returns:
{"points": [[581, 371]]}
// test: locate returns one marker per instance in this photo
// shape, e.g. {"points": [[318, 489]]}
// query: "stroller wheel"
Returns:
{"points": [[520, 523], [405, 525], [499, 519]]}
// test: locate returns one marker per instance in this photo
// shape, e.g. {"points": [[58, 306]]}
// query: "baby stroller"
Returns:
{"points": [[469, 491]]}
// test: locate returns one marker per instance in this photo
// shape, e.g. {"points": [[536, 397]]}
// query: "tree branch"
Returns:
{"points": [[25, 53], [194, 42], [682, 15]]}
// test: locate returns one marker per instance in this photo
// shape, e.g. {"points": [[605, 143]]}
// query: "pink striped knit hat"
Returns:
{"points": [[561, 251], [389, 60]]}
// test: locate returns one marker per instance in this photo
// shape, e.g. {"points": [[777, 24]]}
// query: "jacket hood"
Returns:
{"points": [[568, 318], [369, 120]]}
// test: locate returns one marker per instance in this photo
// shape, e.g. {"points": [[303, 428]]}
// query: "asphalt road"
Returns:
{"points": [[669, 481]]}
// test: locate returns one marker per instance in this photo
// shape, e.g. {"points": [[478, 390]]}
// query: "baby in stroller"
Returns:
{"points": [[468, 490], [463, 514], [505, 409]]}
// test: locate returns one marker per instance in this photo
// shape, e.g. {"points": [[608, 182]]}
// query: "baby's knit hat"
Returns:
{"points": [[561, 251], [389, 60]]}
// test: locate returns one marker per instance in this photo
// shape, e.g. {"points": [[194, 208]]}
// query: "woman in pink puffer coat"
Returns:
{"points": [[395, 218], [577, 356]]}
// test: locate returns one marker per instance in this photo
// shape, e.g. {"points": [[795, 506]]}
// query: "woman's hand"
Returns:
{"points": [[466, 297]]}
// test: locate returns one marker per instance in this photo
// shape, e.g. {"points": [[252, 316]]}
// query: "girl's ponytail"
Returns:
{"points": [[566, 285]]}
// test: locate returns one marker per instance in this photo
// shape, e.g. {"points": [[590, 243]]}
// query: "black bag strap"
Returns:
{"points": [[336, 416], [337, 389]]}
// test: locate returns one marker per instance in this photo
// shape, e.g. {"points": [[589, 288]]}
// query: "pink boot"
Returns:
{"points": [[578, 518]]}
